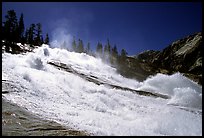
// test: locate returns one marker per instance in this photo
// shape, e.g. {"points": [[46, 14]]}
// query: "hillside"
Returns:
{"points": [[183, 55]]}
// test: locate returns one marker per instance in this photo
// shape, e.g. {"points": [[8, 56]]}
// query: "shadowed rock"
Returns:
{"points": [[96, 80]]}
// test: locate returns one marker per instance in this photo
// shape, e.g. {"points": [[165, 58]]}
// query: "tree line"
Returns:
{"points": [[110, 53], [13, 31], [107, 52]]}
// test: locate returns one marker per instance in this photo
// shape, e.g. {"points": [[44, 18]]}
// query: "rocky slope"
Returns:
{"points": [[184, 55]]}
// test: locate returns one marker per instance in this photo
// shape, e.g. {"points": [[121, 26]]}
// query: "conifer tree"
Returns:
{"points": [[38, 34], [74, 46], [114, 51], [11, 26], [26, 35], [21, 29], [80, 48], [47, 39], [114, 55], [123, 56], [99, 49], [31, 34], [123, 53], [107, 51], [10, 31], [108, 47], [88, 48], [42, 40]]}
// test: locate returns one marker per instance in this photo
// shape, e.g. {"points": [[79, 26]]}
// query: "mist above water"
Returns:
{"points": [[61, 39]]}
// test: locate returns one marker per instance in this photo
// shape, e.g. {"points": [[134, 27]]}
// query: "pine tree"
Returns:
{"points": [[26, 35], [11, 26], [74, 46], [80, 48], [123, 53], [109, 47], [10, 31], [107, 52], [31, 34], [123, 56], [21, 29], [38, 34], [47, 39], [87, 51], [99, 49], [105, 49], [114, 55], [3, 33], [42, 40]]}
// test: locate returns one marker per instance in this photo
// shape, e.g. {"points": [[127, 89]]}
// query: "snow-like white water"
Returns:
{"points": [[73, 101]]}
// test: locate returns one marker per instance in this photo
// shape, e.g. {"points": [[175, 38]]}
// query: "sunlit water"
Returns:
{"points": [[72, 101]]}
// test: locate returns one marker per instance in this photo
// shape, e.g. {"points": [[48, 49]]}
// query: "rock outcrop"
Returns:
{"points": [[184, 55]]}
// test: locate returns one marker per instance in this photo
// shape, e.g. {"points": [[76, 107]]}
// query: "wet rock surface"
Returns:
{"points": [[97, 81], [16, 121]]}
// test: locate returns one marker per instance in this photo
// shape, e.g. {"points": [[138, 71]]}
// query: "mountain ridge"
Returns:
{"points": [[183, 55]]}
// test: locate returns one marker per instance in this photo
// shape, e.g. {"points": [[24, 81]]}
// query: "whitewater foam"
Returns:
{"points": [[183, 91], [72, 101]]}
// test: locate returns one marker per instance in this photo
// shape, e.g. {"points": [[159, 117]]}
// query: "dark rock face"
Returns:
{"points": [[147, 56], [184, 55]]}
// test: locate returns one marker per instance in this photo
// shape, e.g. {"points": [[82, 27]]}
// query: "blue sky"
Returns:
{"points": [[134, 26]]}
